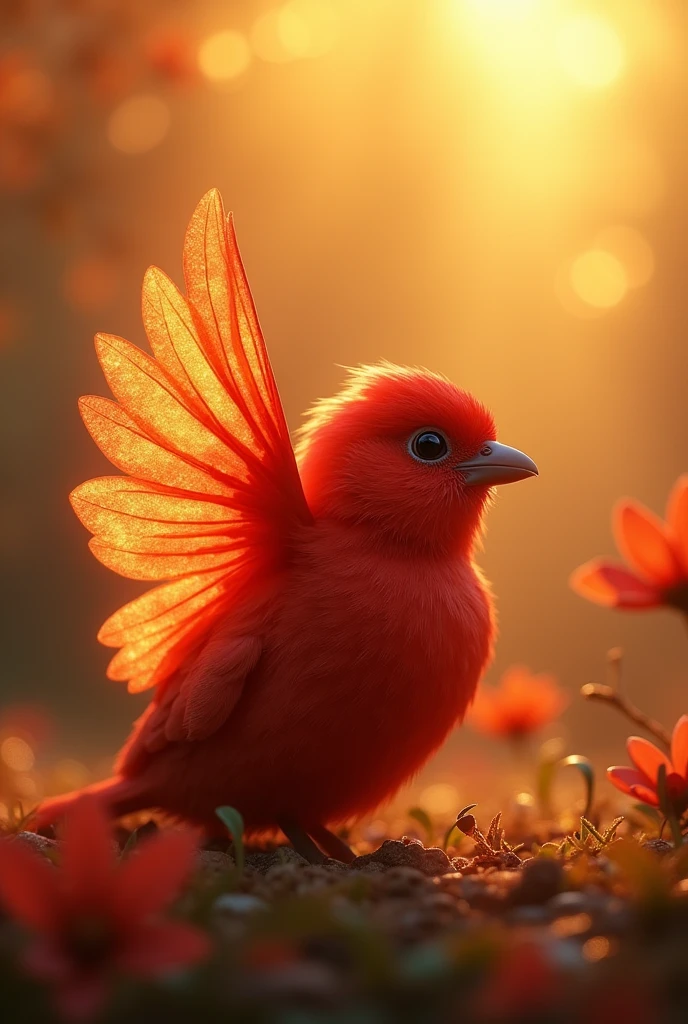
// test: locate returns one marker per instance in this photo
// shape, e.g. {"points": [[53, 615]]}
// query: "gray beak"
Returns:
{"points": [[496, 463]]}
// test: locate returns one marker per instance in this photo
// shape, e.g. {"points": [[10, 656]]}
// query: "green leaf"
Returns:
{"points": [[234, 823], [649, 812], [447, 837], [423, 819], [586, 769], [667, 807]]}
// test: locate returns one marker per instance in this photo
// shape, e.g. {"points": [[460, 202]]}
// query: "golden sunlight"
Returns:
{"points": [[504, 8], [632, 249], [307, 28], [590, 51]]}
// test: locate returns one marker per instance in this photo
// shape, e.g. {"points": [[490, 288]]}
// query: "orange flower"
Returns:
{"points": [[641, 781], [522, 703], [656, 551], [95, 918]]}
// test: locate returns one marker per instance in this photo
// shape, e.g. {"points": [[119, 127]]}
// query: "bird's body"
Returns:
{"points": [[324, 626], [350, 718]]}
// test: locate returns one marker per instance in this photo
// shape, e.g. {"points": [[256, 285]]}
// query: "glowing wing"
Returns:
{"points": [[212, 489]]}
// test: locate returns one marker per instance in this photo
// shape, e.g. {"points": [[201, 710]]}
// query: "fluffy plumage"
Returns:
{"points": [[322, 628]]}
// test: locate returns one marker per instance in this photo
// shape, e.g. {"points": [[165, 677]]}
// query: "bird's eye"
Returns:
{"points": [[428, 446]]}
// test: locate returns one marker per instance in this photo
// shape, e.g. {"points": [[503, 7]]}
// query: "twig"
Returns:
{"points": [[601, 692]]}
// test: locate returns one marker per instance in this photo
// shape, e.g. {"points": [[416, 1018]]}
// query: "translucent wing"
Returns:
{"points": [[212, 490]]}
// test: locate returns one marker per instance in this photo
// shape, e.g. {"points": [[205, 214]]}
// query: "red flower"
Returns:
{"points": [[522, 703], [656, 551], [93, 917], [523, 982], [641, 781]]}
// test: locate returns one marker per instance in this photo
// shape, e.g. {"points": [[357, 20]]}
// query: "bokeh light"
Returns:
{"points": [[224, 56], [440, 798], [267, 39], [598, 278], [632, 250], [139, 124], [16, 753], [589, 50], [307, 28]]}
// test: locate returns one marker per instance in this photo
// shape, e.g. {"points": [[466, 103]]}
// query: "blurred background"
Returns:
{"points": [[492, 188]]}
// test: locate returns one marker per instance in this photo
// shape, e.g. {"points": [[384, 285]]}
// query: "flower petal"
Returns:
{"points": [[679, 746], [613, 586], [28, 886], [154, 874], [628, 780], [677, 516], [82, 996], [47, 959], [642, 539], [647, 758], [163, 947], [87, 860]]}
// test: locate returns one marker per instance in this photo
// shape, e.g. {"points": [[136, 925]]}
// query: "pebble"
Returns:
{"points": [[411, 854], [540, 880], [213, 863], [528, 915], [262, 860], [38, 843], [239, 903], [578, 902]]}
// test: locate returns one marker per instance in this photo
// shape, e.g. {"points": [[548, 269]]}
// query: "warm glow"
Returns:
{"points": [[440, 798], [503, 8], [17, 754], [599, 278], [139, 124], [628, 177], [267, 39], [631, 249], [307, 28], [590, 51], [69, 774], [224, 56]]}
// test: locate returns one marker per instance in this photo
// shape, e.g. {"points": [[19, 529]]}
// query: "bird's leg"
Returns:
{"points": [[302, 842], [331, 844]]}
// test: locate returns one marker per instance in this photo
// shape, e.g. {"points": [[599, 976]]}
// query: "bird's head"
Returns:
{"points": [[408, 453]]}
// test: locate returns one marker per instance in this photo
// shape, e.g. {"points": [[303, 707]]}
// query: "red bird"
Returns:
{"points": [[324, 627]]}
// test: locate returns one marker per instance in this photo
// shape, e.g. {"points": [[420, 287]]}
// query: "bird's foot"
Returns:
{"points": [[332, 844], [302, 843], [328, 844]]}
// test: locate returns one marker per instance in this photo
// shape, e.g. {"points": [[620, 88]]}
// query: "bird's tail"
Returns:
{"points": [[118, 795]]}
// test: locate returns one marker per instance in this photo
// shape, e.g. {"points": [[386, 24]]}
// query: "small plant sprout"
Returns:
{"points": [[234, 823], [586, 839]]}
